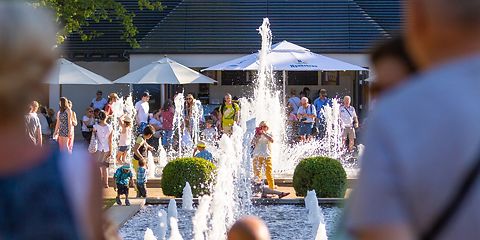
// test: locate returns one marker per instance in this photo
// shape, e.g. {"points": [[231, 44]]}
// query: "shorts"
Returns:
{"points": [[349, 132], [142, 191], [228, 129], [122, 189], [102, 159], [123, 149], [305, 129]]}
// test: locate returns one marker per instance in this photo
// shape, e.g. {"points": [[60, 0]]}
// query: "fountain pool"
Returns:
{"points": [[283, 221]]}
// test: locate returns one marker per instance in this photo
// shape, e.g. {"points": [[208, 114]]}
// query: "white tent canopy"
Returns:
{"points": [[66, 72], [164, 71], [286, 56]]}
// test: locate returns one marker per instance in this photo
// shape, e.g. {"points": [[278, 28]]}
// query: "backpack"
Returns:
{"points": [[235, 109]]}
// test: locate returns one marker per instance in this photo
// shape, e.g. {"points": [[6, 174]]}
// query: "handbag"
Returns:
{"points": [[93, 146]]}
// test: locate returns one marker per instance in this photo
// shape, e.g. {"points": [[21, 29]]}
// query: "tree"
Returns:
{"points": [[74, 15]]}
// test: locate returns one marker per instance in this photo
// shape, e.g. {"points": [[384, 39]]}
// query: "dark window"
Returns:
{"points": [[303, 78], [235, 78]]}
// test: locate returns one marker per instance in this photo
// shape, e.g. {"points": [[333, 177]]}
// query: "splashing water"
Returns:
{"points": [[162, 226], [315, 216], [149, 235], [174, 232], [200, 219], [172, 208], [187, 197]]}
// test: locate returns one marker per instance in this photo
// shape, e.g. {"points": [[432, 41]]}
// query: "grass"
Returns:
{"points": [[107, 203]]}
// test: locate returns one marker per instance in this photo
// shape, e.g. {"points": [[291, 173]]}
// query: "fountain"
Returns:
{"points": [[162, 226], [172, 209], [174, 232], [187, 197], [315, 216], [231, 192], [149, 235]]}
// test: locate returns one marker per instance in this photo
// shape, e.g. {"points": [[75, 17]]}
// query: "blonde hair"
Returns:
{"points": [[27, 38]]}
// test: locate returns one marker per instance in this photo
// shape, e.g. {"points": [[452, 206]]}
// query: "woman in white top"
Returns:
{"points": [[262, 154], [103, 133], [125, 138]]}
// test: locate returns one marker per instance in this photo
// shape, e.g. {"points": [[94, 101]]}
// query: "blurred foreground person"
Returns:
{"points": [[420, 168], [249, 228], [392, 65], [38, 199]]}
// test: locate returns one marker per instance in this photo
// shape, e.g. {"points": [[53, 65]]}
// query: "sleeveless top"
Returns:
{"points": [[34, 204], [63, 127], [142, 149]]}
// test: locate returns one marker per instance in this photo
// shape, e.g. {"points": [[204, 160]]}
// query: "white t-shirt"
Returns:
{"points": [[346, 117], [103, 132], [262, 148], [309, 110], [142, 111], [32, 125], [125, 138], [44, 124], [91, 121], [99, 104], [295, 102]]}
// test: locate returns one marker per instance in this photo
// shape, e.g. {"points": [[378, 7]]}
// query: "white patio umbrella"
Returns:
{"points": [[66, 72], [286, 56], [164, 71]]}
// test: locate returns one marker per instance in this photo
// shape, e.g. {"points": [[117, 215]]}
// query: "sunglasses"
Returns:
{"points": [[90, 111]]}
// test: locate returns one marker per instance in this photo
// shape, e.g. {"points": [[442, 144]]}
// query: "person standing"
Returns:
{"points": [[88, 121], [402, 191], [32, 124], [294, 100], [142, 107], [262, 154], [229, 114], [44, 125], [348, 122], [125, 138], [306, 114], [98, 102], [63, 126], [193, 115], [112, 98], [167, 114], [104, 134], [319, 104], [72, 128]]}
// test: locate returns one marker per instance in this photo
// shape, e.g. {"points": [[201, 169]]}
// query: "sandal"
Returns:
{"points": [[283, 194], [117, 200]]}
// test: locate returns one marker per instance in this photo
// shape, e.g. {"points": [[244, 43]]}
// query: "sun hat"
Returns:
{"points": [[127, 119], [263, 124], [113, 95], [201, 144]]}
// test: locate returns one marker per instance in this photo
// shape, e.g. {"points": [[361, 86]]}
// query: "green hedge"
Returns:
{"points": [[197, 171], [325, 175]]}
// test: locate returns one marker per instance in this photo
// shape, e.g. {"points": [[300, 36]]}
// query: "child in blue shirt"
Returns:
{"points": [[202, 152], [141, 179], [123, 179]]}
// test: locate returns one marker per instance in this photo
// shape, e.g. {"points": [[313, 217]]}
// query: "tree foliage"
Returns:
{"points": [[75, 15]]}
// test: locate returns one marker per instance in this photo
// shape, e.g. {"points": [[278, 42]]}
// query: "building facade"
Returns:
{"points": [[202, 33]]}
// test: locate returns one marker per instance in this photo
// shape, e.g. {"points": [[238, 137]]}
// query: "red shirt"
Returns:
{"points": [[109, 109], [167, 116]]}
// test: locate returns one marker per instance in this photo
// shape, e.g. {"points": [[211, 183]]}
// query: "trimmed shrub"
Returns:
{"points": [[325, 175], [197, 171]]}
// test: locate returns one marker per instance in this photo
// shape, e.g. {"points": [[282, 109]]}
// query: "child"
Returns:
{"points": [[141, 148], [123, 179], [202, 152], [125, 138], [209, 134], [103, 133], [141, 179]]}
